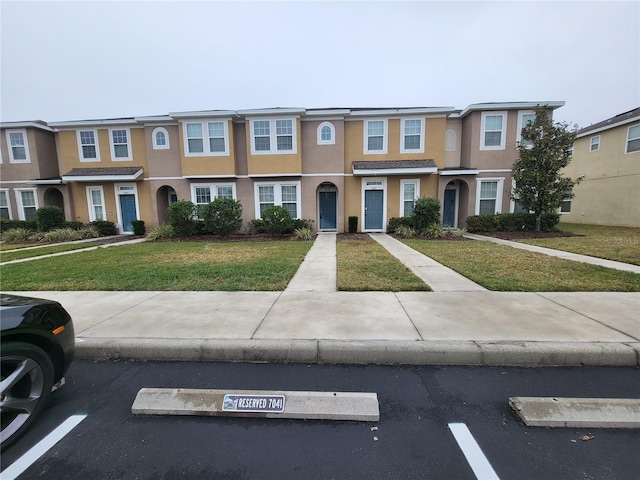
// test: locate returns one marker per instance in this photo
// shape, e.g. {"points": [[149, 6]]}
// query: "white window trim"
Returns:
{"points": [[499, 193], [95, 137], [206, 144], [416, 195], [117, 191], [214, 189], [383, 187], [26, 145], [333, 134], [503, 133], [92, 213], [18, 191], [167, 146], [626, 145], [591, 143], [112, 147], [521, 114], [273, 138], [277, 195], [6, 195], [402, 135], [385, 136]]}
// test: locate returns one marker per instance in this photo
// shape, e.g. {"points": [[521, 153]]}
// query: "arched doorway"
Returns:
{"points": [[165, 196], [327, 195], [54, 197]]}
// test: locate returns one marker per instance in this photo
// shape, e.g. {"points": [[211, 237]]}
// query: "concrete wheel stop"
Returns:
{"points": [[357, 406], [577, 412]]}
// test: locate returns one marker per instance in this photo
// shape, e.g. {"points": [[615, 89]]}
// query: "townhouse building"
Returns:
{"points": [[606, 168], [322, 164]]}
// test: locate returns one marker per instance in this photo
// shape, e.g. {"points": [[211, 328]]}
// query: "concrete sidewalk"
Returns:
{"points": [[459, 323]]}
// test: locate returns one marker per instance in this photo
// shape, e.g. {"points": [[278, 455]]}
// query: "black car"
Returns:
{"points": [[38, 344]]}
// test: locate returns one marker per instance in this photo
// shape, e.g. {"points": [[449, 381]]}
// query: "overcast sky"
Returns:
{"points": [[87, 60]]}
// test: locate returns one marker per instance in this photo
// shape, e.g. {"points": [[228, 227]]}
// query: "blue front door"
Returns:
{"points": [[327, 206], [449, 208], [128, 211], [373, 209]]}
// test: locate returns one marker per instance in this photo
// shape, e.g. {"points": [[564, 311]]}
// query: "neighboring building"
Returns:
{"points": [[29, 176], [606, 168], [321, 164]]}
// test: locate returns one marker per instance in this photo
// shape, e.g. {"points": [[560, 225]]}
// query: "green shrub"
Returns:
{"points": [[75, 225], [138, 227], [17, 235], [481, 223], [105, 228], [405, 231], [550, 221], [396, 222], [49, 218], [257, 226], [302, 223], [426, 212], [181, 218], [222, 217], [304, 233], [433, 231], [61, 235], [160, 232], [277, 220], [353, 224], [13, 224]]}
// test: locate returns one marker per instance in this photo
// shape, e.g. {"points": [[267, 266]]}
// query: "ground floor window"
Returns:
{"points": [[203, 194], [409, 192], [95, 199], [565, 206], [27, 204], [4, 205], [285, 195], [489, 196]]}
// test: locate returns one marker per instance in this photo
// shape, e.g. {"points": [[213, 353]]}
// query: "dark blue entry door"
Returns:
{"points": [[449, 208], [327, 204], [128, 211], [373, 209]]}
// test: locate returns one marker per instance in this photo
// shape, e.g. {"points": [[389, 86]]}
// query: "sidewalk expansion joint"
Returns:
{"points": [[266, 315], [395, 294]]}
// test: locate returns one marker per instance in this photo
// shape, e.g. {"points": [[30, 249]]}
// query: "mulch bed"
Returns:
{"points": [[527, 235], [241, 237]]}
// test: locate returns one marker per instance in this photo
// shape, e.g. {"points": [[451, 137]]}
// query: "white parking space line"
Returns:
{"points": [[476, 459], [39, 449]]}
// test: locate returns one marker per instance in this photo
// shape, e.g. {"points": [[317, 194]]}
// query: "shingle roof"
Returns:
{"points": [[393, 164], [611, 122], [101, 172]]}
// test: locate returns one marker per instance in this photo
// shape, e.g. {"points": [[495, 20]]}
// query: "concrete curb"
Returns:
{"points": [[524, 354]]}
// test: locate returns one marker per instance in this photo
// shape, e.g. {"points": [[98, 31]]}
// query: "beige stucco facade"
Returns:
{"points": [[607, 189]]}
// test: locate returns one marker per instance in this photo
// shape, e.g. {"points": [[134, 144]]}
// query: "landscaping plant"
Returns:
{"points": [[222, 217]]}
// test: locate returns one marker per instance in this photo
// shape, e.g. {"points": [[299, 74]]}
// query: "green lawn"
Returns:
{"points": [[503, 268], [37, 252], [364, 265], [233, 266], [621, 244]]}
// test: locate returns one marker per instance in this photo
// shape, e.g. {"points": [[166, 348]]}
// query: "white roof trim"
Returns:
{"points": [[478, 107], [203, 113], [459, 172], [188, 177], [274, 175], [26, 125], [131, 122], [399, 112], [55, 181], [272, 111], [607, 127]]}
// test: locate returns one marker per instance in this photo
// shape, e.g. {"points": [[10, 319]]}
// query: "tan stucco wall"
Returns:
{"points": [[322, 158], [608, 192], [20, 171], [163, 162], [452, 158]]}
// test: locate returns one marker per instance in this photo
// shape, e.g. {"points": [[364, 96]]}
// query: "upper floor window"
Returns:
{"points": [[411, 135], [493, 130], [450, 141], [375, 136], [524, 119], [88, 146], [5, 211], [633, 139], [595, 143], [206, 138], [326, 134], [273, 136], [120, 144], [160, 139], [27, 204], [18, 148]]}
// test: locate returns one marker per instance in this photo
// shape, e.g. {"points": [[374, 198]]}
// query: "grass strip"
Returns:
{"points": [[38, 252], [364, 265], [234, 266], [621, 244], [502, 268]]}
